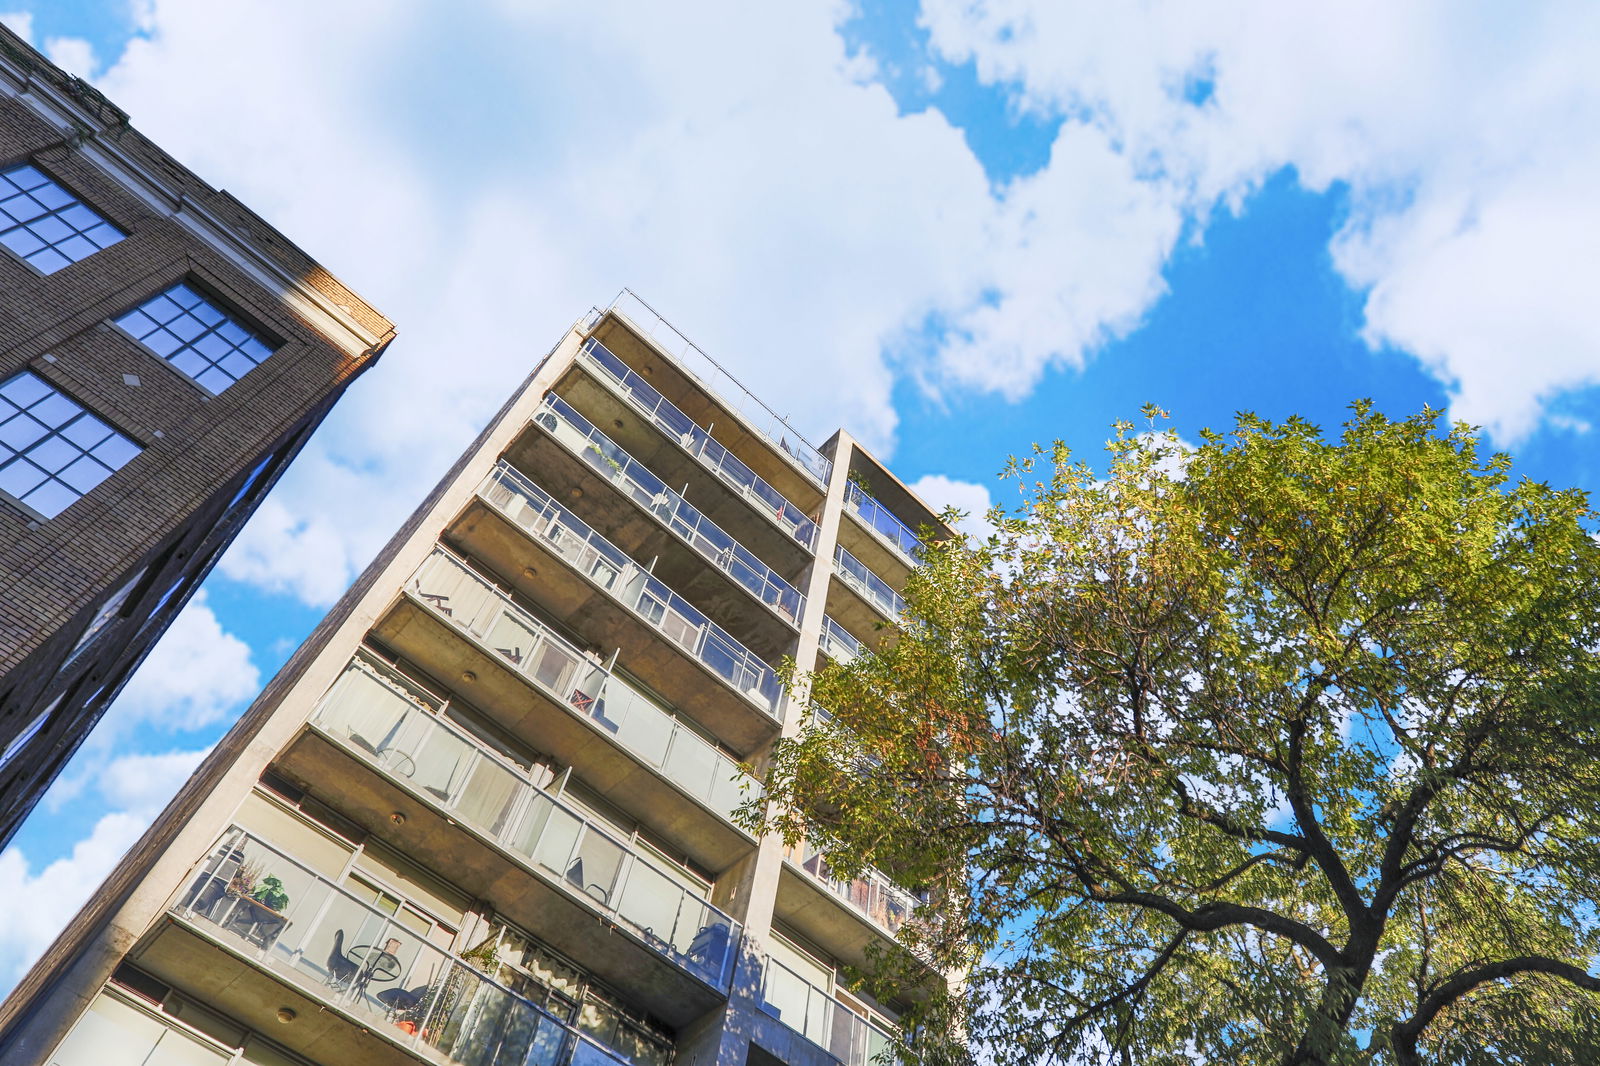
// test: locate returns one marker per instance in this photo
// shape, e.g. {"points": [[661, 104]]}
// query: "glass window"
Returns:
{"points": [[46, 225], [115, 1032], [194, 335], [52, 451], [107, 612], [29, 731]]}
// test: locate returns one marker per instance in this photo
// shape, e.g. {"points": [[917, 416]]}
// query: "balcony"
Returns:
{"points": [[872, 896], [608, 461], [363, 987], [553, 559], [647, 322], [861, 602], [846, 1034], [647, 763], [887, 543], [620, 389], [869, 586], [448, 768], [559, 533], [837, 643]]}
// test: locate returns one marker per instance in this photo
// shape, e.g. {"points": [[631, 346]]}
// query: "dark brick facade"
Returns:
{"points": [[163, 518]]}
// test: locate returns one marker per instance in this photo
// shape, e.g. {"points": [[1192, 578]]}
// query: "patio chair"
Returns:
{"points": [[341, 971]]}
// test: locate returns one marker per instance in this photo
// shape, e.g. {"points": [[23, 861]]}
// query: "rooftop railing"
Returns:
{"points": [[649, 322], [873, 588], [656, 496], [871, 895], [877, 517], [452, 771], [608, 566], [837, 643], [342, 951], [699, 443], [846, 1034]]}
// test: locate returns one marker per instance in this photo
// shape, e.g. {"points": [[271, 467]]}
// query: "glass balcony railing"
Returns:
{"points": [[652, 735], [846, 1034], [877, 516], [611, 568], [837, 643], [648, 322], [450, 770], [873, 588], [655, 496], [872, 895], [342, 951], [699, 443]]}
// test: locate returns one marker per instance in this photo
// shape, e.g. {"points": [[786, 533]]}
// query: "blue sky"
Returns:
{"points": [[955, 228]]}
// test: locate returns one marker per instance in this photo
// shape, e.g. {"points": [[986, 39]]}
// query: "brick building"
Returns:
{"points": [[164, 354], [483, 817]]}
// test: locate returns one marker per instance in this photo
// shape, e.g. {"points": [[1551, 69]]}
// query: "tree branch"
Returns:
{"points": [[1406, 1034]]}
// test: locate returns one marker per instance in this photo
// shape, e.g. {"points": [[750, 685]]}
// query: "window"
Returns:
{"points": [[188, 331], [45, 224], [29, 731], [52, 451], [103, 617]]}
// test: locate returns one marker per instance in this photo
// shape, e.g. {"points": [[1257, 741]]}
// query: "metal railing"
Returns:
{"points": [[877, 517], [612, 569], [873, 588], [648, 321], [450, 770], [699, 443], [341, 950], [837, 643], [653, 736], [846, 1034], [678, 514], [872, 895]]}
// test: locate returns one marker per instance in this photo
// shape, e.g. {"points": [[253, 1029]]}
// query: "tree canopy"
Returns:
{"points": [[1276, 750]]}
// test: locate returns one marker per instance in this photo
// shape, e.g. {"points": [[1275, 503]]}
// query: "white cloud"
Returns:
{"points": [[484, 172], [40, 902], [1463, 136], [196, 675], [939, 492], [72, 54], [19, 23], [146, 782], [778, 208]]}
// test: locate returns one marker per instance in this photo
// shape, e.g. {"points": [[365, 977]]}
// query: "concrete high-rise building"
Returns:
{"points": [[164, 354], [483, 815]]}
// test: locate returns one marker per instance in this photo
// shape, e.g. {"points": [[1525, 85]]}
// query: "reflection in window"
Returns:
{"points": [[191, 333], [107, 612], [52, 451], [45, 224]]}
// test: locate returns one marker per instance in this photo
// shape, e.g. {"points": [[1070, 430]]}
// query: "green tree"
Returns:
{"points": [[1282, 750]]}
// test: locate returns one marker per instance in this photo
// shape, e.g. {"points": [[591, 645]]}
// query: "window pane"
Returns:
{"points": [[48, 225], [52, 452], [196, 336]]}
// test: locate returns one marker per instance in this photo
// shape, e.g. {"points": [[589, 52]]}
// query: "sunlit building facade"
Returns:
{"points": [[484, 816], [164, 355]]}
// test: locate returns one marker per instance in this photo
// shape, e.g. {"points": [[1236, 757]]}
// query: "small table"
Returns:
{"points": [[260, 918], [376, 965]]}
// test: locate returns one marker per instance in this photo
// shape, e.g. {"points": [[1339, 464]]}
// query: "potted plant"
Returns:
{"points": [[271, 894], [243, 881]]}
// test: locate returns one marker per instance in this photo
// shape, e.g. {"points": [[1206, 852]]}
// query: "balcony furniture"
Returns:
{"points": [[341, 971], [255, 921], [400, 1005], [377, 965]]}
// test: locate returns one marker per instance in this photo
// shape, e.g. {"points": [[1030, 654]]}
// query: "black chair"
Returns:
{"points": [[341, 971], [398, 1002]]}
